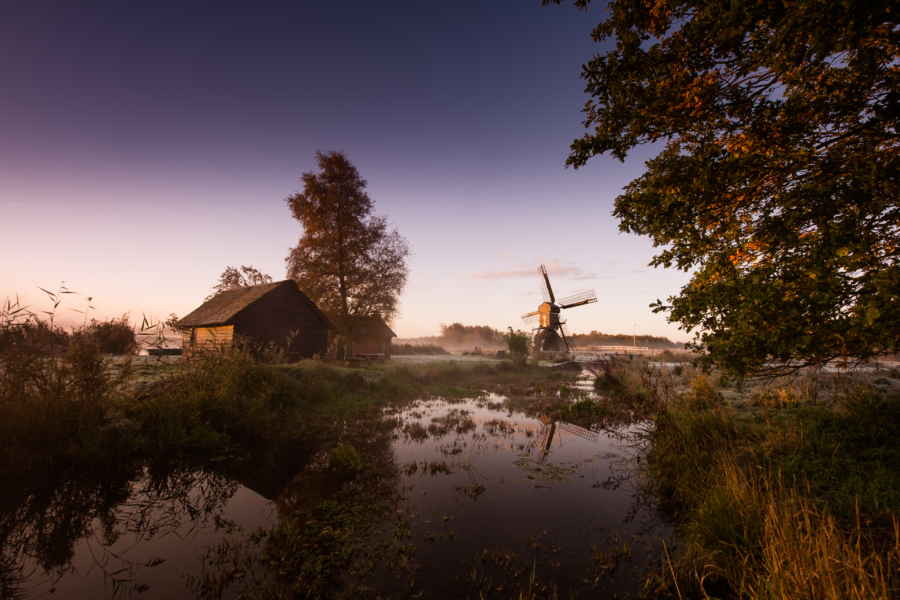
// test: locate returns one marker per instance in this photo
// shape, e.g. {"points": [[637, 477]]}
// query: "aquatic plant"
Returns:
{"points": [[344, 458]]}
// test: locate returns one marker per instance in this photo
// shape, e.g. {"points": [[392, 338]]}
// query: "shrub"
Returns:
{"points": [[518, 343], [115, 336], [55, 401], [35, 334], [344, 459]]}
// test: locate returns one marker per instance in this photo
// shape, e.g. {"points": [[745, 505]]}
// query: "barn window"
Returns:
{"points": [[381, 348]]}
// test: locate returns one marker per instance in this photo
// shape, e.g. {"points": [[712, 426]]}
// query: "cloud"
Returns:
{"points": [[14, 204], [555, 269], [506, 255]]}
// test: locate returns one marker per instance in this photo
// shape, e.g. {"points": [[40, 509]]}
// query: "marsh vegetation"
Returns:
{"points": [[779, 488], [445, 479], [375, 480]]}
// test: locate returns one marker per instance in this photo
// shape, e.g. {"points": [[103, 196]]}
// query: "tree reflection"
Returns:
{"points": [[45, 526]]}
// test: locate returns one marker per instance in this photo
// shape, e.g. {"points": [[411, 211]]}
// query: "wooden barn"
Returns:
{"points": [[370, 339], [271, 313]]}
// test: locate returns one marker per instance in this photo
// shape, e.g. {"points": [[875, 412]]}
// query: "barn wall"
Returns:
{"points": [[274, 316], [371, 345], [206, 338]]}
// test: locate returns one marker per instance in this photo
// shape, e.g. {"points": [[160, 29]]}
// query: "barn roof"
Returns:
{"points": [[374, 326], [225, 306]]}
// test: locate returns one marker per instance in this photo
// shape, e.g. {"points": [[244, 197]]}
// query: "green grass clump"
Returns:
{"points": [[623, 379], [583, 412], [344, 458], [788, 499]]}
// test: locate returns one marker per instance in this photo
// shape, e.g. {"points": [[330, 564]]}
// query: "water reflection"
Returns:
{"points": [[447, 498], [536, 499], [109, 535]]}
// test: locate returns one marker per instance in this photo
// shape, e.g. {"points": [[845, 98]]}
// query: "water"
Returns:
{"points": [[495, 498]]}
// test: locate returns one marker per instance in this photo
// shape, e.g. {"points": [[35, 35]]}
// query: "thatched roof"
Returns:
{"points": [[374, 326], [224, 307]]}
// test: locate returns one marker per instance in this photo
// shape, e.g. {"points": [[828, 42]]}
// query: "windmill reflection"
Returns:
{"points": [[549, 426]]}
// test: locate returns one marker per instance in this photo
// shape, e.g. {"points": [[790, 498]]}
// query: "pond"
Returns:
{"points": [[441, 498]]}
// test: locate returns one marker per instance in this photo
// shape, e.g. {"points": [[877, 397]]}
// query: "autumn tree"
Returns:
{"points": [[232, 277], [348, 261], [776, 181]]}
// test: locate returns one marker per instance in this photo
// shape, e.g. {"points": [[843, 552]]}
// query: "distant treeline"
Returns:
{"points": [[457, 335], [595, 338], [416, 350]]}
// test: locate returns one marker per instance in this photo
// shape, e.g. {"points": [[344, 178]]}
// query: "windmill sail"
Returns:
{"points": [[567, 337], [578, 299], [546, 290], [532, 317]]}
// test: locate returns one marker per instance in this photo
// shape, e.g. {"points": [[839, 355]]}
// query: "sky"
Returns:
{"points": [[145, 147]]}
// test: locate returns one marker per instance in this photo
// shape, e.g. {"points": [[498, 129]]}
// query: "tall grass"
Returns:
{"points": [[788, 497], [56, 391]]}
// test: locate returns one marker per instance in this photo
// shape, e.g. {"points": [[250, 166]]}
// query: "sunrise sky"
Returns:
{"points": [[146, 146]]}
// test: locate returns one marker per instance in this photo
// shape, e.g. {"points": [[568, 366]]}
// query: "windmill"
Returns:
{"points": [[547, 334]]}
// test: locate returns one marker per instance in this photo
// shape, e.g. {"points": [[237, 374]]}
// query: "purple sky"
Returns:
{"points": [[144, 147]]}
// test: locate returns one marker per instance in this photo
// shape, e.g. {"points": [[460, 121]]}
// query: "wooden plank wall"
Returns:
{"points": [[274, 316], [207, 338]]}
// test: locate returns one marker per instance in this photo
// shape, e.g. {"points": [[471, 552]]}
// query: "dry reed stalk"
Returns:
{"points": [[806, 555], [769, 542]]}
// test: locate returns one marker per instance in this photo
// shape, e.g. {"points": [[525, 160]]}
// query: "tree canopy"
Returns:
{"points": [[232, 277], [777, 177], [347, 261], [458, 334]]}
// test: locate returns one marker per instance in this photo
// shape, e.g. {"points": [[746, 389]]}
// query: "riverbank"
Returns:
{"points": [[448, 479], [84, 409], [784, 489], [779, 489]]}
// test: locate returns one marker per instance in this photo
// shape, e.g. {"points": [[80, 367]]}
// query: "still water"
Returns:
{"points": [[496, 498]]}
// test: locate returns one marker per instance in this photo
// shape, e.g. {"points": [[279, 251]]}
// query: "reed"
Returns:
{"points": [[764, 539], [776, 493], [57, 391]]}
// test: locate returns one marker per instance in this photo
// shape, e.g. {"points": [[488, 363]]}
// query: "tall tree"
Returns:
{"points": [[777, 179], [232, 277], [347, 261]]}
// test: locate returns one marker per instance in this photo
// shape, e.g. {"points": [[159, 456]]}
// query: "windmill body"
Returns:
{"points": [[551, 333]]}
